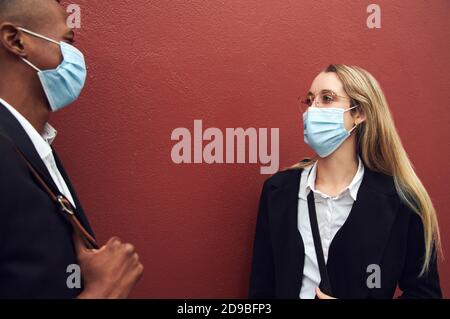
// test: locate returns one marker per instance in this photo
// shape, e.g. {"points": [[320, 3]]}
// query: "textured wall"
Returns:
{"points": [[158, 65]]}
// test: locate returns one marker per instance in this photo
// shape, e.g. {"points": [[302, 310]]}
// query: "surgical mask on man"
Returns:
{"points": [[62, 85]]}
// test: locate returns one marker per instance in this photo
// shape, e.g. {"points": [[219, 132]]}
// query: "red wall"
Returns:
{"points": [[158, 65]]}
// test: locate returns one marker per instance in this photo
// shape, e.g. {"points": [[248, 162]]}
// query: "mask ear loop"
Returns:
{"points": [[31, 64], [354, 128], [351, 108], [356, 125], [38, 36]]}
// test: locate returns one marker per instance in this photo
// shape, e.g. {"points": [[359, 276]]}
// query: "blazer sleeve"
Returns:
{"points": [[413, 286], [262, 273]]}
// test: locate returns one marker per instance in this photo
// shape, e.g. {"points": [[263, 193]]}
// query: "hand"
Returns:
{"points": [[110, 272], [321, 295]]}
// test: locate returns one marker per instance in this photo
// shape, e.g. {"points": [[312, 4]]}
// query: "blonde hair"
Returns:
{"points": [[380, 147]]}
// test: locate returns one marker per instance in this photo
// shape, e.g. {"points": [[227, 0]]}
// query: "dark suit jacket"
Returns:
{"points": [[380, 230], [36, 244]]}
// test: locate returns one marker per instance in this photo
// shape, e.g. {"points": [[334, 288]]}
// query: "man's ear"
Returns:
{"points": [[11, 38]]}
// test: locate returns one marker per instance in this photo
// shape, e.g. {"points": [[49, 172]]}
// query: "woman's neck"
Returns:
{"points": [[336, 172]]}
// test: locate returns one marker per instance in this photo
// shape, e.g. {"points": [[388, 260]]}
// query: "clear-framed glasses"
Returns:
{"points": [[326, 98]]}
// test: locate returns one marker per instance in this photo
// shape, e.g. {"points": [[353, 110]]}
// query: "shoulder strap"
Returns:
{"points": [[325, 284], [66, 207]]}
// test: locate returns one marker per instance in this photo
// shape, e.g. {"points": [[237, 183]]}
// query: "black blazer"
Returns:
{"points": [[379, 230], [35, 240]]}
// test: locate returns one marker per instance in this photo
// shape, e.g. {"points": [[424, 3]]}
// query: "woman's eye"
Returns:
{"points": [[327, 99], [307, 101]]}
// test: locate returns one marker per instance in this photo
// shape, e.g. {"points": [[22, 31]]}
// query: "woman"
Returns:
{"points": [[360, 205]]}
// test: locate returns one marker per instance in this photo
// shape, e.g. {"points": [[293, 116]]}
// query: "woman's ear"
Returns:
{"points": [[359, 116], [12, 39]]}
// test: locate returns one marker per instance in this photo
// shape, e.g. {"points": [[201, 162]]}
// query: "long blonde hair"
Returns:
{"points": [[380, 147]]}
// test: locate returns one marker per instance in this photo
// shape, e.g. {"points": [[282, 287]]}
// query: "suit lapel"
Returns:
{"points": [[15, 132], [288, 249], [362, 239], [79, 209]]}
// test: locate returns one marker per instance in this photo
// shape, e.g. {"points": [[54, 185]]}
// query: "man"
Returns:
{"points": [[41, 72]]}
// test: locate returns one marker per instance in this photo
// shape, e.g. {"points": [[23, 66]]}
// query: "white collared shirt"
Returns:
{"points": [[42, 145], [332, 212]]}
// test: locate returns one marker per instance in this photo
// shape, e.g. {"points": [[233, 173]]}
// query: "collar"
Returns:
{"points": [[43, 142], [308, 181]]}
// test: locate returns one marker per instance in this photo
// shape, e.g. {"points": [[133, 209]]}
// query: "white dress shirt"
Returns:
{"points": [[42, 145], [332, 212]]}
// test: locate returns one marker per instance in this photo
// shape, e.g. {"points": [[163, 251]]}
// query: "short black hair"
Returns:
{"points": [[4, 5], [18, 10], [10, 9]]}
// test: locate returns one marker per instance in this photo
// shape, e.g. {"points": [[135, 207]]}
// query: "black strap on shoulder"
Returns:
{"points": [[325, 285]]}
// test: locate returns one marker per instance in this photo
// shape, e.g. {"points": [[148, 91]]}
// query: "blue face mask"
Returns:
{"points": [[62, 85], [325, 130]]}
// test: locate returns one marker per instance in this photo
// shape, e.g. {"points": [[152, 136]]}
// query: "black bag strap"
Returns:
{"points": [[325, 285]]}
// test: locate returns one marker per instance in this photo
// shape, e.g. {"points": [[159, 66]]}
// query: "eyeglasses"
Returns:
{"points": [[325, 98]]}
